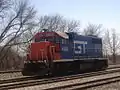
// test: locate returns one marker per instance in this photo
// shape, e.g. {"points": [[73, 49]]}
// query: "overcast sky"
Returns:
{"points": [[106, 12]]}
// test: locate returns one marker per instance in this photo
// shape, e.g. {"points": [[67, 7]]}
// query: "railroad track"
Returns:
{"points": [[31, 81], [9, 71], [88, 84], [4, 75]]}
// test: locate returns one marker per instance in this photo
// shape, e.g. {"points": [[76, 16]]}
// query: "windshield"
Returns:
{"points": [[45, 39], [52, 39]]}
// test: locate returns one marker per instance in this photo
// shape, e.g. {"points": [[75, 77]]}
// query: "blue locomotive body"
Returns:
{"points": [[79, 46]]}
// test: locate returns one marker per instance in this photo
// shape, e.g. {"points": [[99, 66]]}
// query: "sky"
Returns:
{"points": [[105, 12]]}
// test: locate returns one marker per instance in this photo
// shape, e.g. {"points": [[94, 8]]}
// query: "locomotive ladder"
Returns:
{"points": [[52, 52], [48, 61], [52, 57], [42, 55]]}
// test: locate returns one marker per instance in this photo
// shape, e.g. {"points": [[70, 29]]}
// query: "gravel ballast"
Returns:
{"points": [[6, 76]]}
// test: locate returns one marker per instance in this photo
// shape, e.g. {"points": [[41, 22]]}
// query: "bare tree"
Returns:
{"points": [[111, 44], [92, 29], [19, 20], [4, 6], [58, 23]]}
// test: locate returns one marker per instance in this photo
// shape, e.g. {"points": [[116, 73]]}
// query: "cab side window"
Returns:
{"points": [[64, 41]]}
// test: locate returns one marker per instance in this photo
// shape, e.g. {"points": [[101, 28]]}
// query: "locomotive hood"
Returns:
{"points": [[62, 34]]}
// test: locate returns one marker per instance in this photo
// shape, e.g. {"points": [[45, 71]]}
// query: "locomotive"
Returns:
{"points": [[60, 52]]}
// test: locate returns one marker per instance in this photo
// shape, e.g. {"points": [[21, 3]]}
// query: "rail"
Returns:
{"points": [[10, 71]]}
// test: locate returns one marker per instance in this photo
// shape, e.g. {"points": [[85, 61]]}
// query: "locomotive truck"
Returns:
{"points": [[60, 52]]}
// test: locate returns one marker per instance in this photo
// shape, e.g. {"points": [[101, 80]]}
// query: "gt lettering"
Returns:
{"points": [[80, 48], [79, 51]]}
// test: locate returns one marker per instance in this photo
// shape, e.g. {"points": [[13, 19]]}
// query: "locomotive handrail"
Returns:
{"points": [[41, 50]]}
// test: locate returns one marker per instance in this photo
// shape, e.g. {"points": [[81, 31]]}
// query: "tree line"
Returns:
{"points": [[19, 22]]}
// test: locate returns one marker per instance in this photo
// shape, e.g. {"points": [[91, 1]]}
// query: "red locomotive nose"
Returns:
{"points": [[43, 51]]}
